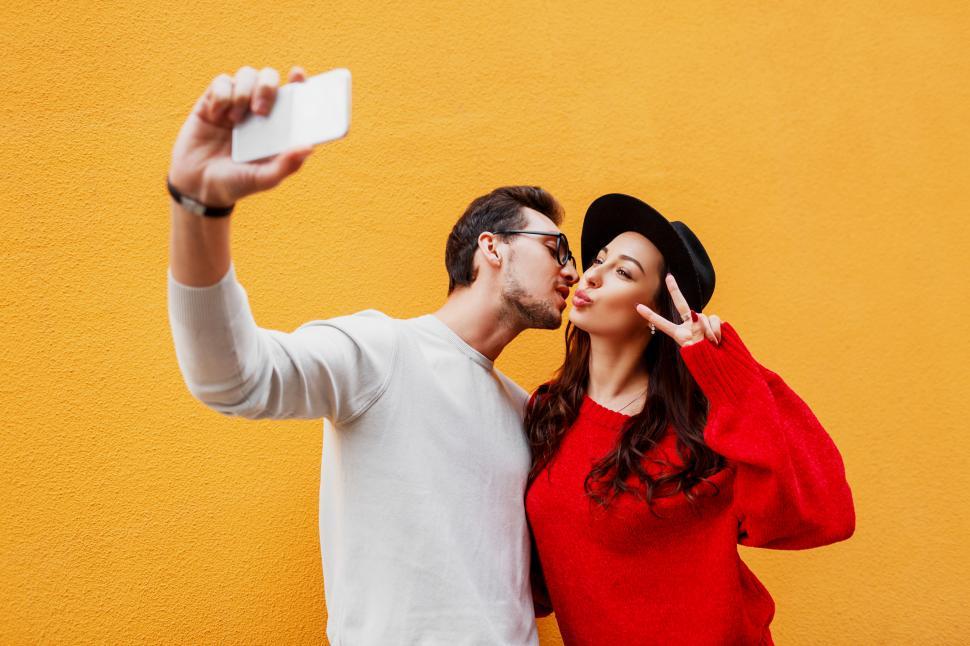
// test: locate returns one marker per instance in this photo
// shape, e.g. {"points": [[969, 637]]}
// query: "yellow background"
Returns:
{"points": [[819, 149]]}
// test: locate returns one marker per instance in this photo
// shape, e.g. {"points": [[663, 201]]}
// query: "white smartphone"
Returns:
{"points": [[304, 113]]}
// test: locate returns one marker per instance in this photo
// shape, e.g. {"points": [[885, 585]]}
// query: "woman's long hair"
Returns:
{"points": [[673, 398]]}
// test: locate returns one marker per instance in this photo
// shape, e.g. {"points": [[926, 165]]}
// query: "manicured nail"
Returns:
{"points": [[693, 316]]}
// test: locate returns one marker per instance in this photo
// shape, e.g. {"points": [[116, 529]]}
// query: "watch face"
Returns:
{"points": [[192, 205]]}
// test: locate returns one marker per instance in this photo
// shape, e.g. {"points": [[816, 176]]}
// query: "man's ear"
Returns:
{"points": [[488, 245]]}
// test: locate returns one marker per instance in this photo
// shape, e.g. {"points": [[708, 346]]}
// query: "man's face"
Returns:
{"points": [[535, 286]]}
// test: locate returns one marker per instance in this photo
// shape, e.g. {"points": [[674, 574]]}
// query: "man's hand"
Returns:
{"points": [[202, 165]]}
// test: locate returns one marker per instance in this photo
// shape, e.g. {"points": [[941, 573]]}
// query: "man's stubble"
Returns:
{"points": [[519, 310]]}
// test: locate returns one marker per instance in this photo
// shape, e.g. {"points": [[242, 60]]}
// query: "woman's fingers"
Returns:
{"points": [[715, 325], [296, 75], [708, 329], [680, 303]]}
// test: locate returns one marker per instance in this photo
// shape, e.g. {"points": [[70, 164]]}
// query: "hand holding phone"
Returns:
{"points": [[307, 113], [202, 164]]}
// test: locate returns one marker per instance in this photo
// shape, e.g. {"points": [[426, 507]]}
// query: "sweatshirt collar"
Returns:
{"points": [[445, 332]]}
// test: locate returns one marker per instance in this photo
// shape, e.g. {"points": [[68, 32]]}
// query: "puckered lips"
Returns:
{"points": [[581, 299]]}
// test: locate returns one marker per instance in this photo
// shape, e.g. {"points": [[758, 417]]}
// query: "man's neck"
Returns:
{"points": [[477, 321]]}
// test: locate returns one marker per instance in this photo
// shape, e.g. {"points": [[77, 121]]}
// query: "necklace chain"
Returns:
{"points": [[635, 398]]}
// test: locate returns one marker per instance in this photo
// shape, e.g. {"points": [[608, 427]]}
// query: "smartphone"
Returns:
{"points": [[305, 112]]}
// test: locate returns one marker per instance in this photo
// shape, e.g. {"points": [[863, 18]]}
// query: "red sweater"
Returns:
{"points": [[624, 577]]}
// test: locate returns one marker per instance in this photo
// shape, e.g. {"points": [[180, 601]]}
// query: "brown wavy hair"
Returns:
{"points": [[674, 397]]}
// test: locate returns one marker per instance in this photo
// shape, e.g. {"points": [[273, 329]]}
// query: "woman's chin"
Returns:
{"points": [[579, 318]]}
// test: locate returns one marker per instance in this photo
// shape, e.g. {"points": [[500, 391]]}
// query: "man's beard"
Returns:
{"points": [[519, 312]]}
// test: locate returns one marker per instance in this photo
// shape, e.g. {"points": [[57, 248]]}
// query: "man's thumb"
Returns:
{"points": [[268, 175]]}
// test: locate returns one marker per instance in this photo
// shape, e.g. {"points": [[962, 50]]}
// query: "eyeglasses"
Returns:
{"points": [[563, 254]]}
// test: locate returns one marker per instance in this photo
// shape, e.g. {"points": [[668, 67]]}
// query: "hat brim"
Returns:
{"points": [[614, 213]]}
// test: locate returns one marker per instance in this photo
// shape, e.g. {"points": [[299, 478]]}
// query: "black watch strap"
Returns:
{"points": [[194, 206]]}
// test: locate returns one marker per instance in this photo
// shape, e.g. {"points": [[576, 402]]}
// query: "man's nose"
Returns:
{"points": [[570, 273]]}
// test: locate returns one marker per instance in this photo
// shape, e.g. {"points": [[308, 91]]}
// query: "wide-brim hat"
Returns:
{"points": [[615, 213]]}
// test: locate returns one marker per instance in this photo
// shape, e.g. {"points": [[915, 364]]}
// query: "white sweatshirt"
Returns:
{"points": [[423, 530]]}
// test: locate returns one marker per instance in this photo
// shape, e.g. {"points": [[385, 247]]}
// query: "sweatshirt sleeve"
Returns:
{"points": [[541, 601], [334, 368], [790, 488]]}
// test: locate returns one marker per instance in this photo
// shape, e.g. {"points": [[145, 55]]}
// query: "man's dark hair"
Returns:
{"points": [[500, 209]]}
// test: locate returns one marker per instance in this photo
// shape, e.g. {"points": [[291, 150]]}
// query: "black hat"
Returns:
{"points": [[612, 214]]}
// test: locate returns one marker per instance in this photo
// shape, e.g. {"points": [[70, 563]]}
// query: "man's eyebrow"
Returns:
{"points": [[625, 257]]}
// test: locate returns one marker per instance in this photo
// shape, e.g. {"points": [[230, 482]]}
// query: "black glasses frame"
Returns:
{"points": [[563, 253]]}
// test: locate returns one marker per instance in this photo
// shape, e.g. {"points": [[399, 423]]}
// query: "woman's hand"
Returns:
{"points": [[696, 327]]}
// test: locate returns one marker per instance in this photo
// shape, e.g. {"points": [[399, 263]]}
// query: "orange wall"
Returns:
{"points": [[818, 148]]}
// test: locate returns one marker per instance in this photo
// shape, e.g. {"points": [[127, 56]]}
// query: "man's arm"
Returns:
{"points": [[199, 247], [202, 168], [333, 368]]}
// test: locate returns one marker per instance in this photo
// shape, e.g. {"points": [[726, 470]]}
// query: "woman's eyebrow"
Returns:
{"points": [[634, 261], [606, 250]]}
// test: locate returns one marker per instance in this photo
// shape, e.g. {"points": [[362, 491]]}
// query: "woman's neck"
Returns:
{"points": [[616, 370]]}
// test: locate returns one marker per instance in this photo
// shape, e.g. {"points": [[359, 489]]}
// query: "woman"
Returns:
{"points": [[660, 445]]}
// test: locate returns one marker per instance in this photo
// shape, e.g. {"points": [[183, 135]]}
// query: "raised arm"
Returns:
{"points": [[790, 486], [326, 368], [202, 169]]}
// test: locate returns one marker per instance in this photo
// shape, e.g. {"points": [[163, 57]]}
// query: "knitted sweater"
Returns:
{"points": [[623, 576]]}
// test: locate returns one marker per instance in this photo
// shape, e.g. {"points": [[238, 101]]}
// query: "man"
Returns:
{"points": [[422, 525]]}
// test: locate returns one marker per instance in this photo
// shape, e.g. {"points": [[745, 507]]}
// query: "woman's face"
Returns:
{"points": [[625, 272]]}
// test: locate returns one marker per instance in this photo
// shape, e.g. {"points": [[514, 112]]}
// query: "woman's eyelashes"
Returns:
{"points": [[619, 270]]}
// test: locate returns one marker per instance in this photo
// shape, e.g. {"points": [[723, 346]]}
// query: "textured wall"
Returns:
{"points": [[820, 151]]}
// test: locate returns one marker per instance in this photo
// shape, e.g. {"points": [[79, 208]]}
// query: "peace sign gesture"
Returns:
{"points": [[695, 327]]}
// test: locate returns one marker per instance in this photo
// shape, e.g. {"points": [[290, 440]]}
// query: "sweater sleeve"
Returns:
{"points": [[790, 488], [334, 368]]}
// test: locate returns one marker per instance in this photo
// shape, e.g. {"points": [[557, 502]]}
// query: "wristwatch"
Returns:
{"points": [[194, 206]]}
